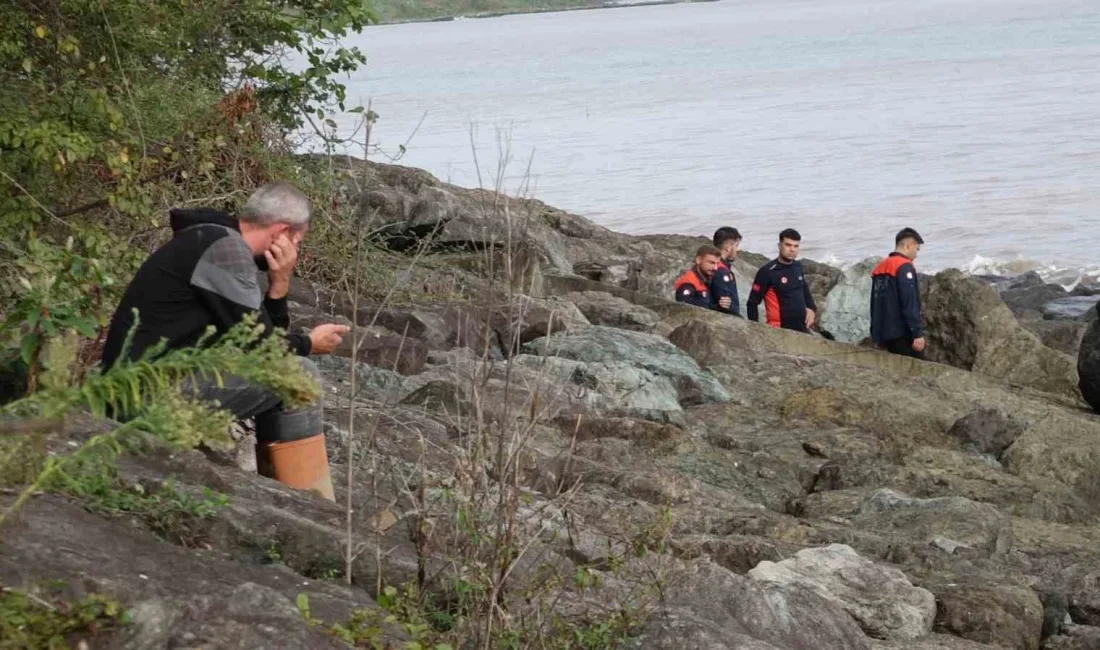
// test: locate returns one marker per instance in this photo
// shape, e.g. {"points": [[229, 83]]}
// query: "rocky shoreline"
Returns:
{"points": [[818, 494]]}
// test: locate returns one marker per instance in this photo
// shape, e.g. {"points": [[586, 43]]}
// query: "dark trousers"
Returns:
{"points": [[249, 401], [904, 347]]}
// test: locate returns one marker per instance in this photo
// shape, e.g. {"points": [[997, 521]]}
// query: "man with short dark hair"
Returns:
{"points": [[781, 285], [693, 287], [206, 276], [723, 284], [895, 298]]}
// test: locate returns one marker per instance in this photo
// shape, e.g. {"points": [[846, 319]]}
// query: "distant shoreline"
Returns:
{"points": [[611, 4]]}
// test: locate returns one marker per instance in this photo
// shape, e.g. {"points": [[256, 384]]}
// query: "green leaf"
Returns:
{"points": [[29, 349], [85, 327]]}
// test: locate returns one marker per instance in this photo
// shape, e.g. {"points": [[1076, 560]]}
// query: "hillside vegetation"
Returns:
{"points": [[113, 112], [391, 11]]}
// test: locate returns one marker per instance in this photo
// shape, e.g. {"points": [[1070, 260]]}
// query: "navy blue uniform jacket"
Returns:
{"points": [[692, 288], [895, 300], [785, 293], [724, 285]]}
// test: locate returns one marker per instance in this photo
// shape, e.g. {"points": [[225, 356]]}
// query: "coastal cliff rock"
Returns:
{"points": [[783, 491], [968, 326], [1088, 365]]}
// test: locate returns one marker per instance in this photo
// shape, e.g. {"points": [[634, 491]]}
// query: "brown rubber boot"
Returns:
{"points": [[300, 464]]}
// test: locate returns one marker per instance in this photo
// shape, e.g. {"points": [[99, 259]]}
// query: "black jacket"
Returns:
{"points": [[205, 275], [723, 284], [895, 300], [785, 294]]}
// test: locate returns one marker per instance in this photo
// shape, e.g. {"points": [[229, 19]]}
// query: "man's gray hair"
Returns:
{"points": [[276, 203]]}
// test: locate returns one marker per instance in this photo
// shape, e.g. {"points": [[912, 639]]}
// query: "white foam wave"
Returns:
{"points": [[1066, 276], [832, 260]]}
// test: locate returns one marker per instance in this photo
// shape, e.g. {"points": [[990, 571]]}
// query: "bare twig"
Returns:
{"points": [[354, 357], [28, 595], [30, 196], [125, 83]]}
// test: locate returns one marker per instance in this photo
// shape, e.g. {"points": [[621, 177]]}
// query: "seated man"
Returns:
{"points": [[206, 275], [693, 287], [723, 284]]}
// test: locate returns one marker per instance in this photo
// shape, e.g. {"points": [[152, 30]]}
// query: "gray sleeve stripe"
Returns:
{"points": [[232, 254], [241, 289]]}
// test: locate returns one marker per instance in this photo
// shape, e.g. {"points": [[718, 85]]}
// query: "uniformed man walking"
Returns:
{"points": [[895, 298]]}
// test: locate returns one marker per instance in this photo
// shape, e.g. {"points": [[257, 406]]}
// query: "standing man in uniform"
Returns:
{"points": [[782, 287], [693, 287], [723, 284], [895, 299]]}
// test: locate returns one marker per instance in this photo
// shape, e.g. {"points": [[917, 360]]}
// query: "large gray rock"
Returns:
{"points": [[713, 343], [602, 308], [1032, 298], [881, 599], [523, 237], [976, 525], [1062, 335], [706, 606], [1003, 615], [376, 383], [372, 345], [846, 311], [1088, 365], [526, 319], [987, 431], [1060, 448], [969, 327], [1070, 307], [178, 598], [556, 387], [653, 354]]}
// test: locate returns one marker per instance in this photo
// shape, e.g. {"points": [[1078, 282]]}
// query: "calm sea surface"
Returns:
{"points": [[975, 121]]}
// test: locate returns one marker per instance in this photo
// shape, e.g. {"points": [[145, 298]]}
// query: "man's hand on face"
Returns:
{"points": [[281, 259], [724, 302], [326, 338], [810, 316]]}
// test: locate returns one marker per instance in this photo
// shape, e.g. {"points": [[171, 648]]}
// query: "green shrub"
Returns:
{"points": [[32, 622]]}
